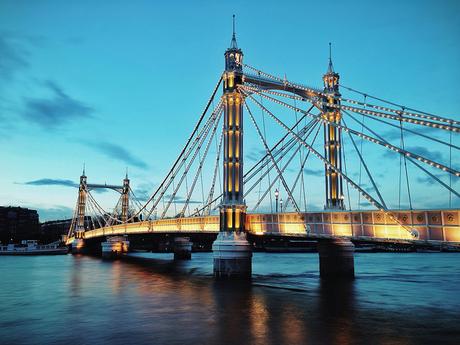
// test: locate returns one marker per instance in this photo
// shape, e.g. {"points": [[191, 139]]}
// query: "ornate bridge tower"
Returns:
{"points": [[332, 139], [125, 199], [81, 207], [232, 252], [79, 232]]}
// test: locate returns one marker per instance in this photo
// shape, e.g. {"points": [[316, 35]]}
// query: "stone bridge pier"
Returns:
{"points": [[114, 247], [182, 248], [336, 259]]}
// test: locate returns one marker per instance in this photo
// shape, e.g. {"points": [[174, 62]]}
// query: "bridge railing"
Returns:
{"points": [[431, 225]]}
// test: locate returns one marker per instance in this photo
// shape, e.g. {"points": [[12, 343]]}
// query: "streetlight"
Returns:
{"points": [[277, 193], [281, 205]]}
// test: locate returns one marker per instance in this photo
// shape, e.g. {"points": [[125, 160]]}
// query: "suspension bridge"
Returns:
{"points": [[379, 161]]}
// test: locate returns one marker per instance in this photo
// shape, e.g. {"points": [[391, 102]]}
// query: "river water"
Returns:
{"points": [[396, 298]]}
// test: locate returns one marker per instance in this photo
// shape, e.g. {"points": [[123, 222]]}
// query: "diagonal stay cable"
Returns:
{"points": [[187, 168], [216, 172], [302, 166], [280, 174], [162, 189], [318, 101], [261, 198], [189, 140], [311, 92], [386, 144], [336, 170], [365, 167], [201, 162], [413, 161]]}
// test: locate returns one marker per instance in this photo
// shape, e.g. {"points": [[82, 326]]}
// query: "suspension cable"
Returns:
{"points": [[187, 168], [338, 171], [302, 166], [280, 174], [374, 140], [185, 147], [316, 92], [200, 166], [413, 161]]}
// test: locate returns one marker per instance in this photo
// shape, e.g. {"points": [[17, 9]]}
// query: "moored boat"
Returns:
{"points": [[31, 247]]}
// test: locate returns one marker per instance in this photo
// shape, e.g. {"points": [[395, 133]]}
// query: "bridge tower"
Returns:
{"points": [[232, 252], [79, 232], [125, 200], [332, 139]]}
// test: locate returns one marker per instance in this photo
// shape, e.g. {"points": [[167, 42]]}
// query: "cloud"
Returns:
{"points": [[54, 213], [431, 181], [51, 182], [142, 194], [395, 133], [117, 152], [423, 151], [309, 171], [420, 150], [255, 155], [57, 110], [59, 182], [181, 200], [13, 57]]}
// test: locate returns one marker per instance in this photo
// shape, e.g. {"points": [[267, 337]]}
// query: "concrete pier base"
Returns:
{"points": [[182, 248], [336, 259], [114, 247], [232, 255], [78, 245]]}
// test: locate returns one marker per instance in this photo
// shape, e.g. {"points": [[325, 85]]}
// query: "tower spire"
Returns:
{"points": [[330, 69], [83, 169], [233, 44]]}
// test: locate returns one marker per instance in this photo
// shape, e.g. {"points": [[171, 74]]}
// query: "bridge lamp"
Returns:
{"points": [[277, 194], [281, 205]]}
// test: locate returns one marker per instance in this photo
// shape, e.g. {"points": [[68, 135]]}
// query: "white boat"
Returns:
{"points": [[31, 247]]}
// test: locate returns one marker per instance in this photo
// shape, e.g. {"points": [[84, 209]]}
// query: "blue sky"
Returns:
{"points": [[116, 84]]}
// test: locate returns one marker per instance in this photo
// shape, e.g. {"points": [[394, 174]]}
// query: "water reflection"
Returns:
{"points": [[336, 311], [162, 302]]}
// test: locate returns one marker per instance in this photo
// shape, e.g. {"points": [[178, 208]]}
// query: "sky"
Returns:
{"points": [[118, 85]]}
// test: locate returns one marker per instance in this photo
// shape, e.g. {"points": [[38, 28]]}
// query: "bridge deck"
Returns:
{"points": [[431, 225]]}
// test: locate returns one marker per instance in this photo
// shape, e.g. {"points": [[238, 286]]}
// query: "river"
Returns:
{"points": [[396, 298]]}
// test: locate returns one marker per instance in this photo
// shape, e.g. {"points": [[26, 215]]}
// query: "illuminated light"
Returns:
{"points": [[229, 218], [237, 219]]}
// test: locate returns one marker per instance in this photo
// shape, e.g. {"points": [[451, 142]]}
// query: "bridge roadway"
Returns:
{"points": [[370, 226]]}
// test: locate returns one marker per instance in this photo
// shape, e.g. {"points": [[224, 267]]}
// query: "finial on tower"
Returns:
{"points": [[330, 69], [83, 169], [233, 44], [126, 177]]}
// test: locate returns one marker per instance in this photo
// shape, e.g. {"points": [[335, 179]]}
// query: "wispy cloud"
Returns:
{"points": [[395, 133], [420, 150], [13, 57], [255, 155], [52, 112], [117, 152], [142, 194], [425, 179], [181, 200], [58, 182], [51, 182], [54, 213], [309, 171]]}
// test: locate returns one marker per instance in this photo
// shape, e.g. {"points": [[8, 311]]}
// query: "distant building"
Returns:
{"points": [[54, 229], [17, 224]]}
